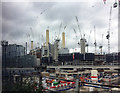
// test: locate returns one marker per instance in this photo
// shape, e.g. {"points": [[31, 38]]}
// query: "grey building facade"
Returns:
{"points": [[10, 52], [13, 55]]}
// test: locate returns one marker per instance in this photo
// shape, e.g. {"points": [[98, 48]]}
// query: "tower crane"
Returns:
{"points": [[82, 40], [108, 32], [78, 26], [42, 38], [95, 39], [29, 40], [75, 33], [76, 38], [115, 4], [100, 47], [60, 29], [32, 32], [88, 40]]}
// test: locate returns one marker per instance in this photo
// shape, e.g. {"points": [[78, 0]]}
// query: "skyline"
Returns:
{"points": [[19, 18]]}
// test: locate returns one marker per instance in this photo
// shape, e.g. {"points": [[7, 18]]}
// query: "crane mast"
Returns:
{"points": [[87, 45], [60, 29], [119, 25], [95, 39], [101, 46], [108, 35], [78, 26]]}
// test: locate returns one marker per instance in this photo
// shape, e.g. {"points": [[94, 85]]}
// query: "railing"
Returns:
{"points": [[111, 65]]}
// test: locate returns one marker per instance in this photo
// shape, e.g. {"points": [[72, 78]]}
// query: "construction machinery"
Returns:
{"points": [[108, 32], [82, 40], [87, 45], [95, 43], [100, 47]]}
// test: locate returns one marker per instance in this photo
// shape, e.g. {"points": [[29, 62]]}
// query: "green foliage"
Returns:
{"points": [[20, 86]]}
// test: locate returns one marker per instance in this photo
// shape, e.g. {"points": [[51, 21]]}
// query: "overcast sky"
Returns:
{"points": [[25, 21]]}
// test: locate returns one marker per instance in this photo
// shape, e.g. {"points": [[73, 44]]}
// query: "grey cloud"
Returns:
{"points": [[63, 11], [41, 6], [11, 11], [19, 17], [15, 13]]}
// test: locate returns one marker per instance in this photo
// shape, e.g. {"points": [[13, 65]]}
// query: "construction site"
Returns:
{"points": [[53, 67]]}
